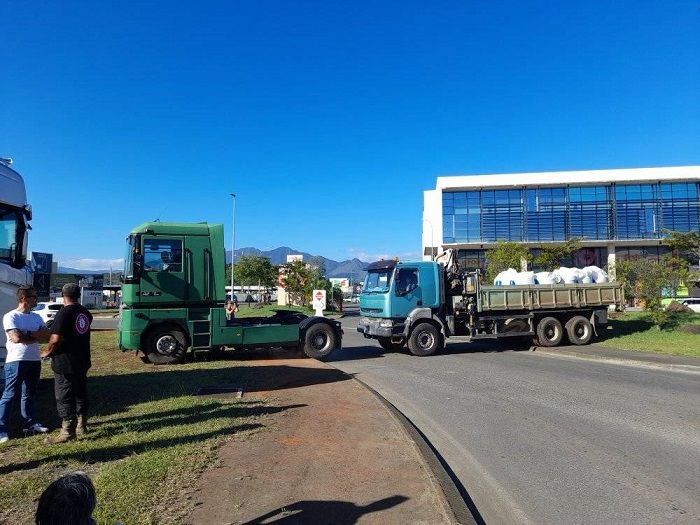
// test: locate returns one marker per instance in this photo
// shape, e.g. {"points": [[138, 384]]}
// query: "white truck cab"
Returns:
{"points": [[15, 215]]}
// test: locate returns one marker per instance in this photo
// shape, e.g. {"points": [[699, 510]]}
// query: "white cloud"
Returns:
{"points": [[89, 264]]}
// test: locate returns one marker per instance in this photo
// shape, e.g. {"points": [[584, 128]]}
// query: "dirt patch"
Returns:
{"points": [[690, 329], [334, 455]]}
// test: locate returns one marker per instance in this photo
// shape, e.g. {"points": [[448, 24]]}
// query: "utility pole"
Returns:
{"points": [[233, 240]]}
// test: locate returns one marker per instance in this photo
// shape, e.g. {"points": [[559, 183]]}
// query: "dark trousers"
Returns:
{"points": [[71, 394]]}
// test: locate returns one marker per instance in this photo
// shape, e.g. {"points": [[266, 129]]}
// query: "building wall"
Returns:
{"points": [[608, 209]]}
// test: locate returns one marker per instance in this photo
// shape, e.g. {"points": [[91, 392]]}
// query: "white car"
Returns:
{"points": [[691, 302], [47, 311]]}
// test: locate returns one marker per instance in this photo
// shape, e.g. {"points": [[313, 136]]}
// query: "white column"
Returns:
{"points": [[611, 261]]}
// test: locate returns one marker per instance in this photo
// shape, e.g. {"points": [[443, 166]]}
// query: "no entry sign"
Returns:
{"points": [[318, 300]]}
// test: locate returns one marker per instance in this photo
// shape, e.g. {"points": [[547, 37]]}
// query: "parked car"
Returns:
{"points": [[47, 311], [691, 302]]}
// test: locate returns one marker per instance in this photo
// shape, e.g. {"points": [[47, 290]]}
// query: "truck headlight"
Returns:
{"points": [[387, 323]]}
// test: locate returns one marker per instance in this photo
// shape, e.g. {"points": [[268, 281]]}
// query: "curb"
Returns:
{"points": [[623, 361], [459, 504]]}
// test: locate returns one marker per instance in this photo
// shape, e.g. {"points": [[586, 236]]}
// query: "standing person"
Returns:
{"points": [[69, 350], [24, 329], [231, 309]]}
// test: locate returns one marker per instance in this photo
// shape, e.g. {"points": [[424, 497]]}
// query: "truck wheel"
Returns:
{"points": [[549, 332], [425, 340], [387, 344], [165, 346], [579, 330], [319, 341]]}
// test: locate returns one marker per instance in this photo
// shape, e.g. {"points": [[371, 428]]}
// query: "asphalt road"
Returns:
{"points": [[540, 438], [105, 323]]}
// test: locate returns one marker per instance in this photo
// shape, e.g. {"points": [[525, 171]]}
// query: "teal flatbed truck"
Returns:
{"points": [[173, 298], [421, 304]]}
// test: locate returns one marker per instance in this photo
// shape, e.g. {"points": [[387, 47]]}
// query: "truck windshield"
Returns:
{"points": [[12, 237], [132, 258], [377, 281]]}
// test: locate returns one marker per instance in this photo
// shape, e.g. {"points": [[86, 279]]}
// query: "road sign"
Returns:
{"points": [[42, 262], [319, 301], [41, 285]]}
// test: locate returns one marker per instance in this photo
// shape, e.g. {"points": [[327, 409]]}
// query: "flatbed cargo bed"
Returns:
{"points": [[550, 296]]}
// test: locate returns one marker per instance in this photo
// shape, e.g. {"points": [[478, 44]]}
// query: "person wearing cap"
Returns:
{"points": [[69, 350], [24, 330]]}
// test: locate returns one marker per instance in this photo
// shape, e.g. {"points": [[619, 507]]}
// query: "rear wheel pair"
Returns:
{"points": [[550, 331]]}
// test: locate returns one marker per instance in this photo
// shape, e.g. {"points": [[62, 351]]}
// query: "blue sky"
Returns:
{"points": [[327, 119]]}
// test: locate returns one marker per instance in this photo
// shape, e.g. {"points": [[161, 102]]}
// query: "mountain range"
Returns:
{"points": [[352, 268]]}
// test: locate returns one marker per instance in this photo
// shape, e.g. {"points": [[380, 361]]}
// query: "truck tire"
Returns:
{"points": [[425, 340], [549, 332], [579, 330], [165, 346], [319, 341], [387, 344]]}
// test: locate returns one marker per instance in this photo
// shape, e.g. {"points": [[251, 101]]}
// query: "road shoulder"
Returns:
{"points": [[332, 454]]}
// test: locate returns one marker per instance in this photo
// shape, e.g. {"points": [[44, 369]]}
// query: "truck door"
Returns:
{"points": [[163, 271], [407, 293]]}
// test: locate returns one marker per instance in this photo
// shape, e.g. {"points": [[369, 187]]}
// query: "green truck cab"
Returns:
{"points": [[422, 304], [173, 297]]}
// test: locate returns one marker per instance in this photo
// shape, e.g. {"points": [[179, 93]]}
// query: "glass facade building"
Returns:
{"points": [[604, 212]]}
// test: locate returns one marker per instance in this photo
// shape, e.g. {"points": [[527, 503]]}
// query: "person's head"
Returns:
{"points": [[26, 296], [70, 293], [70, 500]]}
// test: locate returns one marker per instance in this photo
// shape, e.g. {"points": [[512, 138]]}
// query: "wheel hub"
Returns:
{"points": [[319, 341], [425, 339], [166, 345]]}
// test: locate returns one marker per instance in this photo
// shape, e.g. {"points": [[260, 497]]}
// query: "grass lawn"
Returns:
{"points": [[150, 439], [264, 311], [634, 331]]}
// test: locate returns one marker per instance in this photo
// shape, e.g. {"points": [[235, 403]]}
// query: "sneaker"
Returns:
{"points": [[4, 438], [37, 428]]}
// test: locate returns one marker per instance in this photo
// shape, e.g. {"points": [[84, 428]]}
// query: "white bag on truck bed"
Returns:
{"points": [[505, 278]]}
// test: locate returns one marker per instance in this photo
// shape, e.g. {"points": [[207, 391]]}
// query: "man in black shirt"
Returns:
{"points": [[69, 350]]}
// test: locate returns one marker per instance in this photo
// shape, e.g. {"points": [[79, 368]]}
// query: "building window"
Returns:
{"points": [[680, 206], [501, 215], [590, 212], [545, 214], [605, 212], [461, 216], [589, 256], [637, 211], [654, 253], [471, 259]]}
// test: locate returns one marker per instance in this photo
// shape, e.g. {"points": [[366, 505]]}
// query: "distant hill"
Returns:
{"points": [[351, 268], [65, 269]]}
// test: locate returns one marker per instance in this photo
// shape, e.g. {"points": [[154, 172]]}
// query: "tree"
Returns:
{"points": [[552, 256], [255, 270], [686, 243], [294, 278], [505, 255], [646, 280]]}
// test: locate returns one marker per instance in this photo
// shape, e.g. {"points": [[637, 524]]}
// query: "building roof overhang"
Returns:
{"points": [[563, 178]]}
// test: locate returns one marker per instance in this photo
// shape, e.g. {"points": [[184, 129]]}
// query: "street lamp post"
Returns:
{"points": [[432, 243], [233, 239]]}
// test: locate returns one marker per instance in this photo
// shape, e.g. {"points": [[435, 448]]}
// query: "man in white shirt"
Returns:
{"points": [[24, 330]]}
